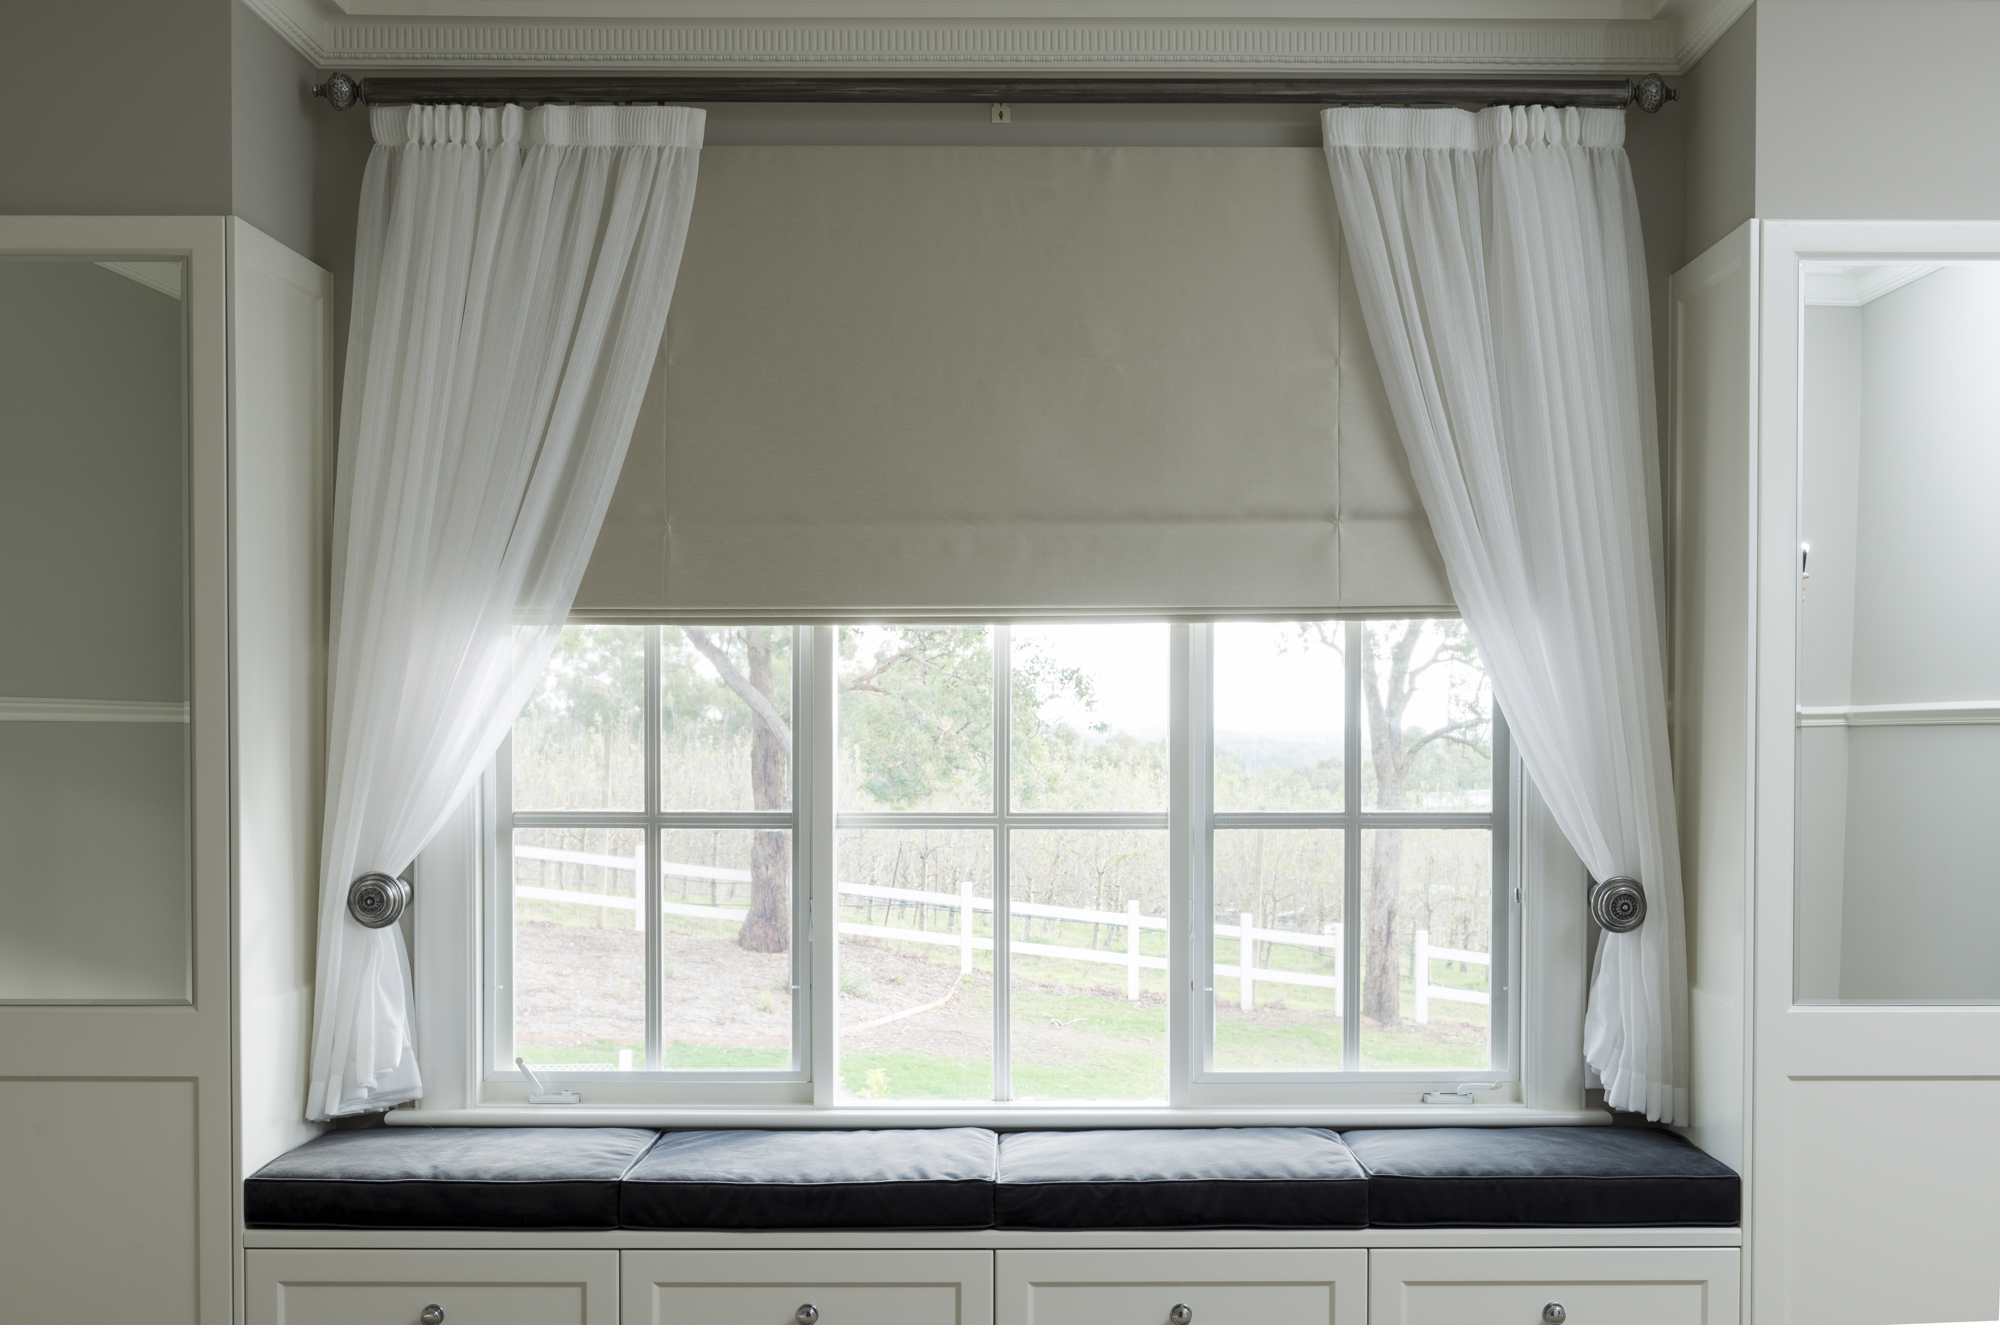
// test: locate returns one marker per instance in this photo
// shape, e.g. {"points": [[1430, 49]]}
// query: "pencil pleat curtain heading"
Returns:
{"points": [[512, 276], [1501, 277]]}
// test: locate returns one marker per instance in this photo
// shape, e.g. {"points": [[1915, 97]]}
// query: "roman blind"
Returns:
{"points": [[1013, 380]]}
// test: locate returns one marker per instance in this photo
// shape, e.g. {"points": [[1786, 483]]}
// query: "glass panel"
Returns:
{"points": [[916, 1012], [578, 745], [1426, 948], [1899, 634], [579, 948], [1090, 717], [94, 843], [916, 718], [1426, 718], [1282, 1013], [1088, 985], [725, 717], [726, 959], [1280, 697]]}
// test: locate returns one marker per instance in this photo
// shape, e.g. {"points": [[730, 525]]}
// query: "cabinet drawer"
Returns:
{"points": [[1218, 1287], [1608, 1286], [843, 1287], [394, 1287]]}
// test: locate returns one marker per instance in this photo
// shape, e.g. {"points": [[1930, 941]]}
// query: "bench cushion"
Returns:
{"points": [[1557, 1177], [940, 1178], [447, 1177], [1227, 1177]]}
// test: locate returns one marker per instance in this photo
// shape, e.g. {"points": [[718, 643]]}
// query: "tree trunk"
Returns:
{"points": [[768, 927], [1386, 698]]}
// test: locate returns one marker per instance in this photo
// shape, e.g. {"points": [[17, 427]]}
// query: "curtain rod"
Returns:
{"points": [[1648, 93]]}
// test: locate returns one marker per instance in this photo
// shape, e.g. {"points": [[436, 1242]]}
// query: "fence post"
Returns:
{"points": [[964, 926], [1246, 949], [1132, 950], [1423, 955]]}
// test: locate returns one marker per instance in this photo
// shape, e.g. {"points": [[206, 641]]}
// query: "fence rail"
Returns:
{"points": [[1245, 934]]}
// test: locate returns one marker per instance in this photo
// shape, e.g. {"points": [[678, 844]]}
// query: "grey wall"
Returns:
{"points": [[1877, 110], [1719, 98], [115, 107], [272, 118]]}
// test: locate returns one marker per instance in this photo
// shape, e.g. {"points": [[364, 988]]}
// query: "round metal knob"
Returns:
{"points": [[1554, 1314], [1181, 1314], [1618, 905], [377, 900], [808, 1314], [433, 1315]]}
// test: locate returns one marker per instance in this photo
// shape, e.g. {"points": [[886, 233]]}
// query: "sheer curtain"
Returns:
{"points": [[512, 275], [1499, 266]]}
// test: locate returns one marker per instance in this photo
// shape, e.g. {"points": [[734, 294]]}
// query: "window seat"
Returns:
{"points": [[969, 1178]]}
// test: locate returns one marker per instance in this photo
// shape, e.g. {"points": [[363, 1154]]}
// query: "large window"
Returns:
{"points": [[1131, 863]]}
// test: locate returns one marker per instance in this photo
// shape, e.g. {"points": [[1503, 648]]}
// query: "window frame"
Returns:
{"points": [[1195, 1090]]}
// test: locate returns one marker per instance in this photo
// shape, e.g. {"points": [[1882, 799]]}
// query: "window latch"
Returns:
{"points": [[1461, 1096], [538, 1094]]}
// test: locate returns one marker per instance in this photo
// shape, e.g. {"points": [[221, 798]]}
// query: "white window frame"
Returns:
{"points": [[1540, 953]]}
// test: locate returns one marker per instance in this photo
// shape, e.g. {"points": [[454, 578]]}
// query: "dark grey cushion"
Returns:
{"points": [[1558, 1177], [1226, 1177], [939, 1178], [447, 1177]]}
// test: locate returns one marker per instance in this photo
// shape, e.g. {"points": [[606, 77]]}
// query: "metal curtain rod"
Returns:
{"points": [[1648, 93]]}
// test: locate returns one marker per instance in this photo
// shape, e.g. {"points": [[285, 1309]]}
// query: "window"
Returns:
{"points": [[1124, 863]]}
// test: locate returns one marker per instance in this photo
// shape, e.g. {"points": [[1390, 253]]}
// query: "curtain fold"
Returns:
{"points": [[512, 275], [1501, 276]]}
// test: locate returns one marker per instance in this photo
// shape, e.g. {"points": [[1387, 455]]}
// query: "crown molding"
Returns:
{"points": [[1698, 25], [329, 38]]}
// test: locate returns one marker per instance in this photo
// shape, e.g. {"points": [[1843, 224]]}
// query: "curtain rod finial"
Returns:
{"points": [[340, 91], [1648, 93]]}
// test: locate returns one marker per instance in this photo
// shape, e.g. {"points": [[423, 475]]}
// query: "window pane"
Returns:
{"points": [[916, 1012], [1088, 988], [1434, 888], [916, 718], [1427, 718], [1285, 886], [578, 743], [725, 717], [579, 950], [1279, 700], [1090, 717], [726, 949]]}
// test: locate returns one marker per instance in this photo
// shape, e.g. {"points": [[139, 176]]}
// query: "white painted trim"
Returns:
{"points": [[1854, 286], [89, 710], [162, 276], [1008, 1116], [1969, 713], [997, 1239], [1698, 25]]}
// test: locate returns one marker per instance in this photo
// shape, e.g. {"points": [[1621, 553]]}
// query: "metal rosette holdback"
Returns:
{"points": [[377, 901], [1618, 904]]}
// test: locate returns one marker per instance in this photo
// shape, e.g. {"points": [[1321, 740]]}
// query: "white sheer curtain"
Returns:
{"points": [[512, 275], [1501, 275]]}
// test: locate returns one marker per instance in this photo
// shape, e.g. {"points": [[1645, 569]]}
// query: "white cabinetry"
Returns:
{"points": [[1600, 1286], [431, 1288], [1216, 1287], [778, 1287]]}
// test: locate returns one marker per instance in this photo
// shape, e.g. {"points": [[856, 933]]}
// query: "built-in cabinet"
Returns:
{"points": [[1056, 1285]]}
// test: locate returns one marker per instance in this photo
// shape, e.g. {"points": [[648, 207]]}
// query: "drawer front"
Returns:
{"points": [[1608, 1286], [775, 1287], [1217, 1287], [395, 1287]]}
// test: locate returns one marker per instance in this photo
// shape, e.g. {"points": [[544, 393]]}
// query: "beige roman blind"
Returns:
{"points": [[966, 381]]}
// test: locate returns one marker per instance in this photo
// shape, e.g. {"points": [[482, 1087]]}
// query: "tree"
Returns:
{"points": [[768, 926]]}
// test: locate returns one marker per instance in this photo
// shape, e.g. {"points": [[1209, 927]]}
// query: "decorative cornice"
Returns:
{"points": [[1699, 25]]}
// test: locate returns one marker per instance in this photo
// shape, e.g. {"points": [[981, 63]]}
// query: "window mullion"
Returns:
{"points": [[1350, 906], [1003, 928], [1190, 814], [649, 847], [823, 908]]}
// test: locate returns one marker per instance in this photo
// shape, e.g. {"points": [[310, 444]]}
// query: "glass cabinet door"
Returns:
{"points": [[94, 673], [1898, 896]]}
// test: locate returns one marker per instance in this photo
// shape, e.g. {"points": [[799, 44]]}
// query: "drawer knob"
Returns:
{"points": [[1181, 1314], [808, 1314], [433, 1315], [1554, 1314]]}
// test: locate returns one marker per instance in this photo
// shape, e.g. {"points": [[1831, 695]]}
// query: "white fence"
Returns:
{"points": [[1244, 934]]}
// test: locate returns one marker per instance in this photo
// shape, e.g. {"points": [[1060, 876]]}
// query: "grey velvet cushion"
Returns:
{"points": [[1228, 1177], [814, 1179], [1560, 1177], [448, 1177]]}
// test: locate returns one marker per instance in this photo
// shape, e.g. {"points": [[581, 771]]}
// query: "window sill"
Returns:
{"points": [[1000, 1117]]}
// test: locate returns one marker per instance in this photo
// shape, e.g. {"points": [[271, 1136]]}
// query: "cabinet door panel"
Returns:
{"points": [[843, 1287], [394, 1287], [1218, 1287], [1611, 1286]]}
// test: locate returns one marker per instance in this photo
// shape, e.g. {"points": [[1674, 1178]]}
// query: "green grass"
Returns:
{"points": [[675, 1057]]}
